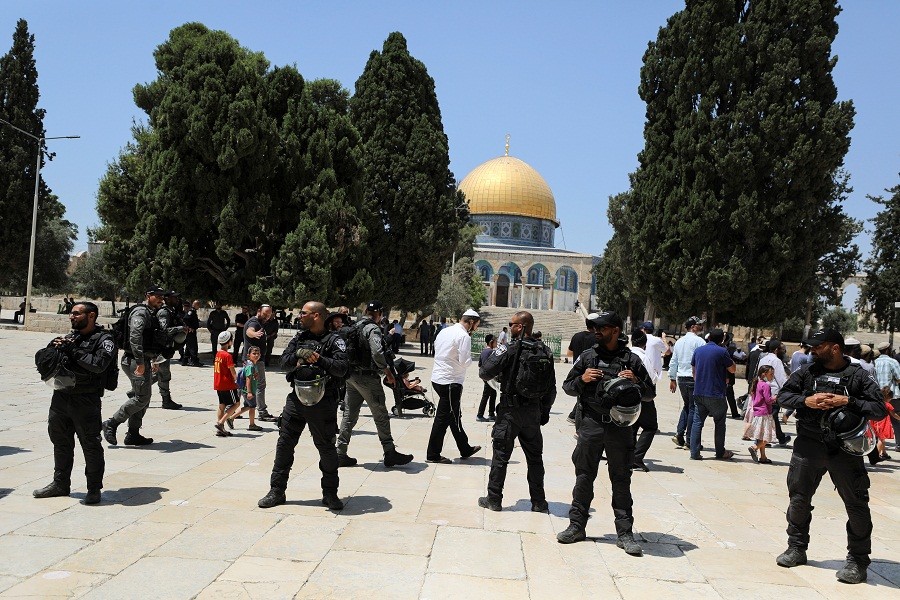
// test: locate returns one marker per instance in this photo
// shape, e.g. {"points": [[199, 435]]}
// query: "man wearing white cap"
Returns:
{"points": [[452, 355]]}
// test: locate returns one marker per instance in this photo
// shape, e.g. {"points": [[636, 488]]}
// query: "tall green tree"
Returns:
{"points": [[18, 155], [245, 183], [415, 211], [882, 287], [737, 194]]}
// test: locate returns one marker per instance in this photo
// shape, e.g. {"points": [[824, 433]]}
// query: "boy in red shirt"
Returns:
{"points": [[225, 384]]}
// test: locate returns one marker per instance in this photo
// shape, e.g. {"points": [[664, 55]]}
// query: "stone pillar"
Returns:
{"points": [[552, 289], [522, 301], [494, 280]]}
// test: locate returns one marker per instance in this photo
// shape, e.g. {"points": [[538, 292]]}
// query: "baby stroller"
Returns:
{"points": [[408, 396]]}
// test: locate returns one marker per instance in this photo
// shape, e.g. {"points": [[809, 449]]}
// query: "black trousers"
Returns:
{"points": [[522, 423], [236, 351], [648, 425], [732, 403], [779, 434], [448, 415], [593, 436], [424, 344], [71, 415], [190, 349], [489, 394], [322, 421], [809, 462]]}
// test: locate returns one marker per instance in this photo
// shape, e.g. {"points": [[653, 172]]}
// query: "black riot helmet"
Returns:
{"points": [[851, 432], [623, 396]]}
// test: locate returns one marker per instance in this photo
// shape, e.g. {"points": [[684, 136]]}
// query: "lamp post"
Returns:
{"points": [[34, 212]]}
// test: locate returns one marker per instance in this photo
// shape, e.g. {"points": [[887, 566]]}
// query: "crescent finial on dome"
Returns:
{"points": [[507, 144]]}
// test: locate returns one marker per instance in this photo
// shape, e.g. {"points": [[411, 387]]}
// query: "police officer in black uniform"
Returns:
{"points": [[174, 335], [191, 319], [517, 417], [316, 361], [599, 428], [144, 343], [90, 353], [830, 384]]}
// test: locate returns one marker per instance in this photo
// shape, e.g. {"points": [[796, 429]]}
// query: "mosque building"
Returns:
{"points": [[515, 253]]}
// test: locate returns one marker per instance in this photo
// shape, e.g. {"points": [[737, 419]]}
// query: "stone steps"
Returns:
{"points": [[549, 322]]}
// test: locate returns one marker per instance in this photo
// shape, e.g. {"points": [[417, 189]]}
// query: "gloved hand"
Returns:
{"points": [[545, 417], [304, 353]]}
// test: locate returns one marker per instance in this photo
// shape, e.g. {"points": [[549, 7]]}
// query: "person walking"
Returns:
{"points": [[173, 327], [424, 337], [143, 343], [255, 335], [761, 427], [368, 360], [773, 354], [680, 372], [217, 322], [452, 356], [89, 353], [488, 394], [647, 422], [527, 392], [609, 381], [833, 399], [191, 320], [711, 363]]}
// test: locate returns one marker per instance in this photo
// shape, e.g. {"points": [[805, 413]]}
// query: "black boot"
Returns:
{"points": [[92, 497], [52, 490], [167, 403], [571, 534], [134, 438], [331, 500], [108, 427], [627, 543], [485, 502], [273, 498], [396, 459], [852, 572]]}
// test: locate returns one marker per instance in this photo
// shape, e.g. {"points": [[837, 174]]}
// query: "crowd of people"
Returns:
{"points": [[842, 403]]}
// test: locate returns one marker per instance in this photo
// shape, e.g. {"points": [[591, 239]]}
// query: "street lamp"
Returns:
{"points": [[37, 185]]}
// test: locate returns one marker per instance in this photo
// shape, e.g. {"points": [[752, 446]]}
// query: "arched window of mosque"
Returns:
{"points": [[512, 271], [484, 270], [537, 275], [566, 279]]}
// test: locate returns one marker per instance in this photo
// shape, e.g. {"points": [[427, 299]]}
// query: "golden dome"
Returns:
{"points": [[508, 186]]}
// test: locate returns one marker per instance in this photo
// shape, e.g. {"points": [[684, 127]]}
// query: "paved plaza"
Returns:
{"points": [[179, 518]]}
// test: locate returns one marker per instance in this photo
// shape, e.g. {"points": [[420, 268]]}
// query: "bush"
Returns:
{"points": [[840, 319]]}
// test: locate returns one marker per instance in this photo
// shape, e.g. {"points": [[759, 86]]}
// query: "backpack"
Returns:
{"points": [[120, 331], [241, 380], [358, 350], [534, 377]]}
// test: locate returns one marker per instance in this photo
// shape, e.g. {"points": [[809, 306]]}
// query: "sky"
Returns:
{"points": [[560, 77]]}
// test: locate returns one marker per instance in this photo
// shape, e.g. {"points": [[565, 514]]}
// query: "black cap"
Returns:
{"points": [[716, 335], [374, 306], [773, 344], [171, 294], [607, 318], [825, 335], [155, 290]]}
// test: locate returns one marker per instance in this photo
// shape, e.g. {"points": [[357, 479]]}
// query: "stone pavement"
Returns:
{"points": [[179, 518]]}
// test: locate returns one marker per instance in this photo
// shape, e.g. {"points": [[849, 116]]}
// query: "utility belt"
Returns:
{"points": [[515, 401], [600, 417]]}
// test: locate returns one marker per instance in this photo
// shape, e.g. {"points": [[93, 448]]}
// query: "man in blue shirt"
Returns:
{"points": [[711, 364], [680, 371]]}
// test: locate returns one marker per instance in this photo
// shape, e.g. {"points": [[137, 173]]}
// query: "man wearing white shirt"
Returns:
{"points": [[773, 356], [680, 371], [452, 355], [647, 421], [655, 349]]}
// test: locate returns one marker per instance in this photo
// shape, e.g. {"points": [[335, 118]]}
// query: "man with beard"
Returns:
{"points": [[255, 335], [316, 361], [89, 352], [609, 381], [827, 394]]}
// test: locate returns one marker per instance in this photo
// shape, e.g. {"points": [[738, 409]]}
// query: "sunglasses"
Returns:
{"points": [[511, 324]]}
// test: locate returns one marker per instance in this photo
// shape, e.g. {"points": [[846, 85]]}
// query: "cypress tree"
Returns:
{"points": [[736, 200], [412, 205], [882, 287], [18, 155]]}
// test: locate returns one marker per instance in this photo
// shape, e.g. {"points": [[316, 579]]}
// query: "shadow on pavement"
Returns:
{"points": [[4, 492], [8, 450], [409, 468], [130, 496], [658, 467], [174, 446], [364, 505]]}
